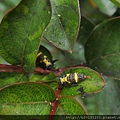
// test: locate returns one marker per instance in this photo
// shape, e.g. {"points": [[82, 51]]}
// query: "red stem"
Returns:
{"points": [[11, 68], [55, 103], [20, 69]]}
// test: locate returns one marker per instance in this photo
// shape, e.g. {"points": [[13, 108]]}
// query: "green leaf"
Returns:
{"points": [[77, 56], [42, 78], [49, 79], [21, 30], [10, 78], [109, 98], [102, 50], [106, 7], [91, 85], [63, 28], [36, 77], [26, 99], [116, 2], [69, 106]]}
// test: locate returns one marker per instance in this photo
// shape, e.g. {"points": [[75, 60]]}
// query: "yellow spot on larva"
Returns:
{"points": [[76, 77]]}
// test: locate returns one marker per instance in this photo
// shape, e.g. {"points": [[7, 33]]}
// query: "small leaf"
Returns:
{"points": [[42, 78], [116, 2], [21, 30], [49, 79], [91, 85], [65, 15], [106, 7], [102, 50], [10, 78], [26, 99], [69, 106]]}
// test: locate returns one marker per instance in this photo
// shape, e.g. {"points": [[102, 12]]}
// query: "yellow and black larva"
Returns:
{"points": [[43, 62], [72, 79]]}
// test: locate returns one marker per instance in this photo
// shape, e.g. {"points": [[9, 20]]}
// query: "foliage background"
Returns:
{"points": [[106, 102]]}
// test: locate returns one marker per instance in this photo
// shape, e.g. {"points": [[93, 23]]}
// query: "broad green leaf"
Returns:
{"points": [[102, 50], [63, 28], [106, 6], [26, 99], [21, 30], [116, 2], [69, 106], [109, 98], [91, 85], [11, 78]]}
